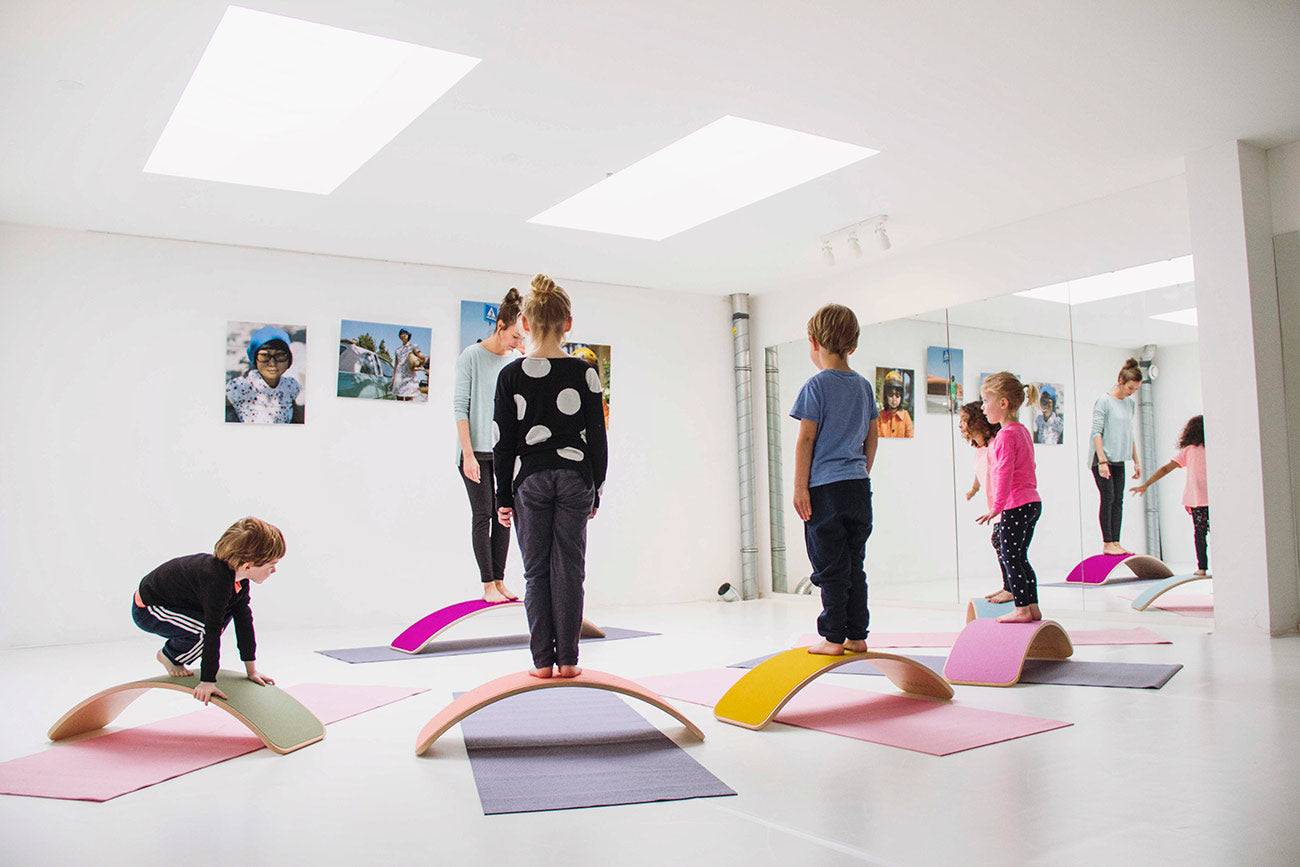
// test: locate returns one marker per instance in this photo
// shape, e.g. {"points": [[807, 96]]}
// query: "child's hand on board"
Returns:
{"points": [[205, 691]]}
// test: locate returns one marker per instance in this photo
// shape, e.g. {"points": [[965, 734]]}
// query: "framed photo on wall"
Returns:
{"points": [[895, 396], [384, 361], [1048, 421], [597, 355], [266, 373], [943, 379]]}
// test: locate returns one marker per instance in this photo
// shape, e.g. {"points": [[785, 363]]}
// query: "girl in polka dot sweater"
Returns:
{"points": [[1013, 490], [549, 429]]}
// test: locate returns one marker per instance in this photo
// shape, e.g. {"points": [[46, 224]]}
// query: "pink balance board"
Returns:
{"points": [[991, 653], [513, 684], [418, 635], [1099, 568]]}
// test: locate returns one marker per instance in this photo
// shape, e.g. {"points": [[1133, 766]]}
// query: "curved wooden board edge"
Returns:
{"points": [[513, 684], [751, 702], [416, 643], [1147, 567], [1151, 594], [103, 707], [1048, 641]]}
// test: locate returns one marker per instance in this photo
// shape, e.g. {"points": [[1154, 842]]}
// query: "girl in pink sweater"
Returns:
{"points": [[1013, 490]]}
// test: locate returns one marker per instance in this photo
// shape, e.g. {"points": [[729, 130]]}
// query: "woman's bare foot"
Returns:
{"points": [[1020, 615], [172, 668], [542, 672], [1201, 573], [855, 645], [1113, 549], [999, 596], [567, 671], [492, 594], [501, 588], [826, 648]]}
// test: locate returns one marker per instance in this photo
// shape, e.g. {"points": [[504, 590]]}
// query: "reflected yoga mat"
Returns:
{"points": [[1078, 637], [938, 728], [1064, 672], [463, 646], [113, 764], [561, 749]]}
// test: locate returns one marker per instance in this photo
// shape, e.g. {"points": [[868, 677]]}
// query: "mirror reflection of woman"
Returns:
{"points": [[477, 369], [1112, 444]]}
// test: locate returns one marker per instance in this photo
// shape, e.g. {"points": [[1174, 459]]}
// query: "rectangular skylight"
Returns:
{"points": [[1182, 317], [1113, 284], [293, 105], [715, 170]]}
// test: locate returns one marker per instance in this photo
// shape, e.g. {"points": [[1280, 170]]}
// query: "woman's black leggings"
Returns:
{"points": [[491, 540], [1112, 500], [1201, 528]]}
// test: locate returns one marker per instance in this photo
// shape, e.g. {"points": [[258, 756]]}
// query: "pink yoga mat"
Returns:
{"points": [[1186, 604], [935, 727], [1078, 637], [123, 761]]}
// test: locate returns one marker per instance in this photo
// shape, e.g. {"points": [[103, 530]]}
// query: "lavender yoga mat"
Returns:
{"points": [[463, 646], [1064, 672], [104, 767], [561, 749], [1078, 637], [936, 727]]}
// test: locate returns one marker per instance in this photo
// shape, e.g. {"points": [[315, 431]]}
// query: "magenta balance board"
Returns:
{"points": [[424, 630]]}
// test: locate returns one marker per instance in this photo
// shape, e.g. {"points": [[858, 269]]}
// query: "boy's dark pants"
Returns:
{"points": [[836, 536]]}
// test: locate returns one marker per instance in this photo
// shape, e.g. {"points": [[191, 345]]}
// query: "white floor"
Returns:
{"points": [[1200, 772]]}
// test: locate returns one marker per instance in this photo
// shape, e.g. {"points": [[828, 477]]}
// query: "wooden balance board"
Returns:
{"points": [[277, 718], [758, 697], [422, 632], [990, 653], [1154, 592], [513, 684], [1100, 567]]}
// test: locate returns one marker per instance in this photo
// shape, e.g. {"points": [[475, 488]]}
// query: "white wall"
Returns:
{"points": [[114, 455], [1284, 187]]}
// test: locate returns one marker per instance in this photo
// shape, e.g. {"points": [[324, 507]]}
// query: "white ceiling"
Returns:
{"points": [[986, 113]]}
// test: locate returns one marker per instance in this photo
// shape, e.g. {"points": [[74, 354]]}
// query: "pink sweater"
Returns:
{"points": [[1012, 480]]}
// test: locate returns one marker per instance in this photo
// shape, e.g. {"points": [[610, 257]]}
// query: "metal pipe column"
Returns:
{"points": [[745, 446]]}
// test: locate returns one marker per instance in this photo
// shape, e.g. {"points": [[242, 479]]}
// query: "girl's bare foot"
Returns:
{"points": [[1020, 615], [1035, 612], [567, 671], [542, 672], [492, 594], [999, 597], [854, 645], [826, 648], [172, 668], [501, 588]]}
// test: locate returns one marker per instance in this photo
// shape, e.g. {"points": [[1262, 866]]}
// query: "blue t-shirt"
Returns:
{"points": [[843, 406]]}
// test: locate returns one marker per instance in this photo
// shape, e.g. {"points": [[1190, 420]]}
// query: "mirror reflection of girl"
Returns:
{"points": [[477, 369], [406, 385], [894, 421], [1112, 443], [977, 431], [1191, 457], [266, 395], [1014, 484]]}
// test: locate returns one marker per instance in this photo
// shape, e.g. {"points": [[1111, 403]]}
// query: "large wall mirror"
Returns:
{"points": [[926, 547]]}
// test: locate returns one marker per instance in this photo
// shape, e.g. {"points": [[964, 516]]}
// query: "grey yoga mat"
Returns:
{"points": [[561, 749], [462, 646], [1065, 672]]}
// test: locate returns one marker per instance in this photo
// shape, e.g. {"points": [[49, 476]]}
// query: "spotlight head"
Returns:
{"points": [[828, 253], [881, 237], [855, 246]]}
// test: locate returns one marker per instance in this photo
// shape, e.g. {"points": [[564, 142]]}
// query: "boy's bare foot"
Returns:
{"points": [[855, 645], [826, 648], [999, 596], [492, 594], [501, 588], [172, 668], [567, 671], [1020, 615], [542, 672]]}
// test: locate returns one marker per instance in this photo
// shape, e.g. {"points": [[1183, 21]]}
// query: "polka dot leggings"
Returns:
{"points": [[1015, 532], [1201, 530]]}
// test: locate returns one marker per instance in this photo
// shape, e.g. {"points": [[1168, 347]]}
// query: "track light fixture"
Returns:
{"points": [[849, 237]]}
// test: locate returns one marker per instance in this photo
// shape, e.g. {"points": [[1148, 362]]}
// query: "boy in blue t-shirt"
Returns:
{"points": [[832, 488]]}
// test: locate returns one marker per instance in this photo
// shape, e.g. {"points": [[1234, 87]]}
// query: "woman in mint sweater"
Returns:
{"points": [[477, 369], [1112, 443]]}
